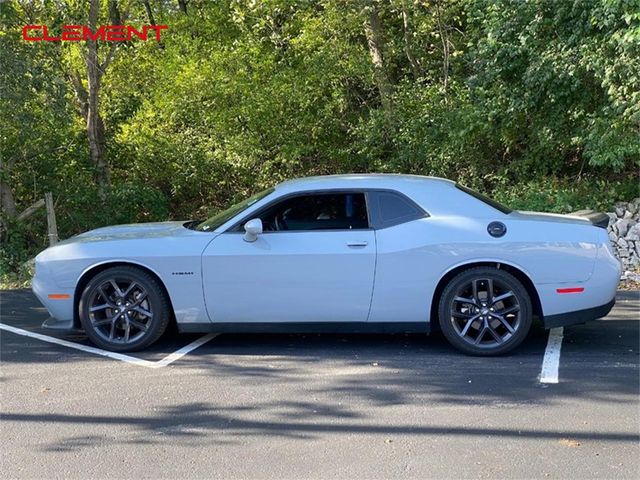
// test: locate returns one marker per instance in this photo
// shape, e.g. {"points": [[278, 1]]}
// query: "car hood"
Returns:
{"points": [[132, 231]]}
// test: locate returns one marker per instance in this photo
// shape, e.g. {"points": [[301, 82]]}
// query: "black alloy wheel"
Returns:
{"points": [[485, 311], [123, 309]]}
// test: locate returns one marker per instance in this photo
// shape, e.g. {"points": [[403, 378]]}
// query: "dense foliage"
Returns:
{"points": [[534, 102]]}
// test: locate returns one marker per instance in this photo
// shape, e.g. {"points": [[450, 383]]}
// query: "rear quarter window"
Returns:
{"points": [[391, 208]]}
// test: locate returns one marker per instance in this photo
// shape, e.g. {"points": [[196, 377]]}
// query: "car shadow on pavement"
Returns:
{"points": [[304, 386], [599, 362], [19, 308]]}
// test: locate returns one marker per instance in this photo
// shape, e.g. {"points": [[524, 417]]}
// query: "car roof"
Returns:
{"points": [[362, 180]]}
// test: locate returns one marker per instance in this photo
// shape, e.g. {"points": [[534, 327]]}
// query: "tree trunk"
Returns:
{"points": [[95, 125], [446, 49], [6, 194], [147, 7], [406, 29], [373, 32], [114, 13], [81, 94], [182, 5], [8, 201]]}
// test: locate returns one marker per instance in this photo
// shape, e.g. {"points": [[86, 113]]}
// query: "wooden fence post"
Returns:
{"points": [[52, 227]]}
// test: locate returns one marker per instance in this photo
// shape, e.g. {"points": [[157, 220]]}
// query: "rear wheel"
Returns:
{"points": [[124, 309], [485, 311]]}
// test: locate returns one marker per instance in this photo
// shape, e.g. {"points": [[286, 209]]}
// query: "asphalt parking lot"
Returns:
{"points": [[319, 406]]}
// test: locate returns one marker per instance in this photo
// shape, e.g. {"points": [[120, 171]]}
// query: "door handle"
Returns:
{"points": [[357, 244]]}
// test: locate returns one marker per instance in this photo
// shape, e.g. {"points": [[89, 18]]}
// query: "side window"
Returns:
{"points": [[393, 209], [330, 211]]}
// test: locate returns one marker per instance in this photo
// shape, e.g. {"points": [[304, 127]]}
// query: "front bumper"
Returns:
{"points": [[60, 309], [579, 316], [63, 326]]}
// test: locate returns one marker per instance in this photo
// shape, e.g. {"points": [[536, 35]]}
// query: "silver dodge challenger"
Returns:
{"points": [[348, 253]]}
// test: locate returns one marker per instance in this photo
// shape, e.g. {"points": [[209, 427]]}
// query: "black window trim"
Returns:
{"points": [[372, 220], [238, 226]]}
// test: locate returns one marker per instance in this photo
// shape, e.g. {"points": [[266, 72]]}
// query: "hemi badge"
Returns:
{"points": [[59, 296], [570, 290]]}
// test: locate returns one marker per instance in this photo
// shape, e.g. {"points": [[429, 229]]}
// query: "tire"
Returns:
{"points": [[496, 316], [123, 309]]}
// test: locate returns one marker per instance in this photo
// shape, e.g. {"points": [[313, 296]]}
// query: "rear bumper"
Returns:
{"points": [[579, 316], [595, 300]]}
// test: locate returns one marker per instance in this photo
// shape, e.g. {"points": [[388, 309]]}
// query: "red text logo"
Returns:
{"points": [[78, 33]]}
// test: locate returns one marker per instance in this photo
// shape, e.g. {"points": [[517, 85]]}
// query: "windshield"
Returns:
{"points": [[226, 215]]}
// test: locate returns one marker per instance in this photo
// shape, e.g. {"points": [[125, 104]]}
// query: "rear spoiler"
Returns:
{"points": [[597, 219]]}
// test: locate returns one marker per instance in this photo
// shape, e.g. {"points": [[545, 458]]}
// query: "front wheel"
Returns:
{"points": [[124, 309], [485, 311]]}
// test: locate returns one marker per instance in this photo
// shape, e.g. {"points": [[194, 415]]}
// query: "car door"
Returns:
{"points": [[314, 262]]}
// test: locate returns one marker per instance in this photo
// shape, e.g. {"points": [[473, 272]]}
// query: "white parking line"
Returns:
{"points": [[181, 352], [551, 361], [172, 357]]}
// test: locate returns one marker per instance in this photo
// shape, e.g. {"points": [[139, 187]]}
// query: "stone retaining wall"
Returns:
{"points": [[624, 232]]}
